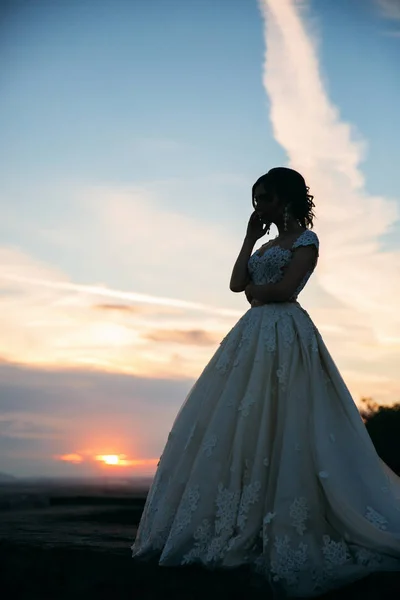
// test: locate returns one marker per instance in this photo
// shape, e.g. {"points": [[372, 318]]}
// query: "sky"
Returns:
{"points": [[132, 132]]}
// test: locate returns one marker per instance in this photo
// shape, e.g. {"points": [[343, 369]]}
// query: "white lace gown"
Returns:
{"points": [[268, 462]]}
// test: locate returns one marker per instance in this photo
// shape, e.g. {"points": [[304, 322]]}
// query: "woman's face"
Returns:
{"points": [[266, 203]]}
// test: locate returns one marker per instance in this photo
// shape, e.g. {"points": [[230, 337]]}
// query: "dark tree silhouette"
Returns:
{"points": [[369, 408], [383, 426]]}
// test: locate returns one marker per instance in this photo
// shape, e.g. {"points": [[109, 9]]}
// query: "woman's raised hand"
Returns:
{"points": [[255, 227]]}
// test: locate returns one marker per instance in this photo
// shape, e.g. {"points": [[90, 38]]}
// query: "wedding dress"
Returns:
{"points": [[268, 462]]}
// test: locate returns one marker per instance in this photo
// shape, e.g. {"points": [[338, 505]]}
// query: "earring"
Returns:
{"points": [[285, 217]]}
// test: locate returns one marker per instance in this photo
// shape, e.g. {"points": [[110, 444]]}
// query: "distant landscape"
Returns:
{"points": [[70, 538], [72, 513], [64, 539]]}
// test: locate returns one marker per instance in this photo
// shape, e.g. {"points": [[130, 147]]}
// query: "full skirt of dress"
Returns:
{"points": [[269, 464]]}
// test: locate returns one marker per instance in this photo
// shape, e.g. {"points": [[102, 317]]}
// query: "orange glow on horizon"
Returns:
{"points": [[109, 460], [73, 458], [120, 460]]}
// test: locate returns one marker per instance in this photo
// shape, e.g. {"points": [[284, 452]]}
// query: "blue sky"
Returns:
{"points": [[131, 135]]}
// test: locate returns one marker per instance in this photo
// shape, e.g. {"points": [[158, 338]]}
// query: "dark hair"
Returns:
{"points": [[291, 188]]}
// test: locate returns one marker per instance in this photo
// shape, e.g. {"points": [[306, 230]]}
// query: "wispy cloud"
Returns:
{"points": [[353, 269], [110, 293], [390, 8], [75, 459], [46, 319], [128, 235], [196, 337], [118, 307], [25, 425]]}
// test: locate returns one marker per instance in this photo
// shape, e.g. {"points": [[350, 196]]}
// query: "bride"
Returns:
{"points": [[268, 463]]}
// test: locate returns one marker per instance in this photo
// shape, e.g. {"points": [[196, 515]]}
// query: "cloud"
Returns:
{"points": [[195, 337], [24, 425], [136, 267], [118, 307], [47, 413], [158, 246], [390, 8], [76, 459], [130, 237], [353, 268], [47, 319], [143, 309], [97, 290]]}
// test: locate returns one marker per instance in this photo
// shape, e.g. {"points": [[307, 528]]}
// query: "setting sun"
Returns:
{"points": [[111, 459]]}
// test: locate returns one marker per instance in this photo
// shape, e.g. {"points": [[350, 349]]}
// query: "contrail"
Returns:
{"points": [[358, 280], [352, 269], [121, 295]]}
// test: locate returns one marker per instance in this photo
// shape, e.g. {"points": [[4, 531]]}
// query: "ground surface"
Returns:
{"points": [[74, 544]]}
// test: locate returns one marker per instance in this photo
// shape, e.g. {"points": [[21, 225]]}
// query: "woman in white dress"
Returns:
{"points": [[268, 463]]}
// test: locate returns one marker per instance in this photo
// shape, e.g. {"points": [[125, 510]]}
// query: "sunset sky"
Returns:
{"points": [[132, 131]]}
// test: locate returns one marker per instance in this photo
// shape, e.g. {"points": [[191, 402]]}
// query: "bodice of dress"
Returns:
{"points": [[266, 266]]}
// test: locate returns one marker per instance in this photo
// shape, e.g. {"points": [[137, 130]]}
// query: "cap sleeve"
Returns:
{"points": [[308, 238]]}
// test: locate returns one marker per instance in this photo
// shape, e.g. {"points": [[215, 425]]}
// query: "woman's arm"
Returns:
{"points": [[303, 261], [240, 276]]}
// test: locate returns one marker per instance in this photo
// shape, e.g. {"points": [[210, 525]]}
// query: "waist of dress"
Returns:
{"points": [[276, 310], [275, 304]]}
